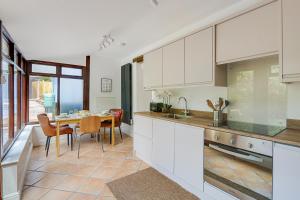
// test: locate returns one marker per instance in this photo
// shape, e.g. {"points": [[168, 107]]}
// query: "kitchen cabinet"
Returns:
{"points": [[142, 142], [143, 126], [291, 42], [173, 64], [152, 69], [163, 145], [199, 57], [286, 173], [250, 35], [188, 166]]}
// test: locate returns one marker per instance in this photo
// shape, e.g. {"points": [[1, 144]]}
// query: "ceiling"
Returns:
{"points": [[45, 29]]}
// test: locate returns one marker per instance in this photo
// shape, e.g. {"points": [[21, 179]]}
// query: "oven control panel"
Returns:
{"points": [[256, 145]]}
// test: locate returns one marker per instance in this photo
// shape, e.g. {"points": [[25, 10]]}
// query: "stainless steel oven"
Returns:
{"points": [[239, 165]]}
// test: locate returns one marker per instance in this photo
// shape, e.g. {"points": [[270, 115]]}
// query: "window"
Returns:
{"points": [[10, 91], [70, 99], [51, 89], [71, 71], [5, 46], [47, 69], [42, 96], [5, 104]]}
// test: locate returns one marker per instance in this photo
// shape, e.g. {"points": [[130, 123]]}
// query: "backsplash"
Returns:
{"points": [[255, 92]]}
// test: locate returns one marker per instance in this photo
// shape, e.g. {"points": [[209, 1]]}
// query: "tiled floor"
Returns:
{"points": [[70, 178]]}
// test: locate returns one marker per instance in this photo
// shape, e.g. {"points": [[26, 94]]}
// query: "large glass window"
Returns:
{"points": [[42, 96], [54, 94], [70, 99], [5, 104], [5, 47]]}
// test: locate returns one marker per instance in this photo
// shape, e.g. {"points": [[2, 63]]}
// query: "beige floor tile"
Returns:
{"points": [[106, 198], [104, 172], [34, 193], [71, 183], [56, 195], [111, 163], [115, 155], [79, 196], [33, 177], [143, 166], [131, 164], [35, 164], [50, 180], [94, 186], [83, 170], [106, 192], [122, 172]]}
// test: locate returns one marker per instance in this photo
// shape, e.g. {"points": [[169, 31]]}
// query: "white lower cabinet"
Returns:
{"points": [[286, 172], [189, 143], [143, 147], [163, 145]]}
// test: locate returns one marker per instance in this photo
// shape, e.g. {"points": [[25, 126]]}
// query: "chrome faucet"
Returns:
{"points": [[185, 110]]}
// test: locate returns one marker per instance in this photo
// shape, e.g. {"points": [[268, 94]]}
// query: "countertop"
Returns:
{"points": [[288, 136]]}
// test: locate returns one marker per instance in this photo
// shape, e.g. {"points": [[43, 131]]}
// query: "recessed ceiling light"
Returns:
{"points": [[154, 3]]}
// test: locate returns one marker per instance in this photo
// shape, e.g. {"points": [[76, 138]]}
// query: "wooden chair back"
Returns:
{"points": [[48, 129], [90, 124]]}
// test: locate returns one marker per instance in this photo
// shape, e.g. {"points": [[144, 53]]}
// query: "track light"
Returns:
{"points": [[106, 41]]}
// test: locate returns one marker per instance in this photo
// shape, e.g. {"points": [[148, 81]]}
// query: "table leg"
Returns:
{"points": [[57, 140], [113, 131]]}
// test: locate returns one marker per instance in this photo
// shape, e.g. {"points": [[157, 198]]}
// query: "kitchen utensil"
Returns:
{"points": [[226, 104], [221, 103], [210, 104]]}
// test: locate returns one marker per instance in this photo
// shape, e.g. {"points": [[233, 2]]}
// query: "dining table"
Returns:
{"points": [[75, 119]]}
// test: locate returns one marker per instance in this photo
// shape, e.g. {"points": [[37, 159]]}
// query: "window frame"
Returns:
{"points": [[13, 64], [84, 77]]}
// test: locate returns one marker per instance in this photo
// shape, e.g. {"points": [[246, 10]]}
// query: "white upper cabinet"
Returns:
{"points": [[291, 41], [173, 63], [286, 173], [152, 69], [253, 34], [199, 63]]}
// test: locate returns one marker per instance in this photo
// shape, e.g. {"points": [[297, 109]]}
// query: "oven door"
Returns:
{"points": [[243, 174]]}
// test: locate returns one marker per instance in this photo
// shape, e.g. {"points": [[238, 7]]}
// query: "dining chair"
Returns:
{"points": [[118, 114], [89, 125], [50, 130]]}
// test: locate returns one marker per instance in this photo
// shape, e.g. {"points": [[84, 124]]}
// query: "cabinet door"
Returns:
{"points": [[291, 42], [252, 34], [152, 69], [199, 57], [173, 64], [286, 173], [189, 143], [143, 148], [163, 145], [142, 126]]}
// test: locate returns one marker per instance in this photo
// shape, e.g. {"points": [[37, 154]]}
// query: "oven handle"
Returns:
{"points": [[246, 157]]}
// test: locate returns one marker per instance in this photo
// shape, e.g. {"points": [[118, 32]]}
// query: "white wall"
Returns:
{"points": [[102, 67]]}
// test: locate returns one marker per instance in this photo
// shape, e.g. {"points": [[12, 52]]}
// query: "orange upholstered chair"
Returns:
{"points": [[50, 130]]}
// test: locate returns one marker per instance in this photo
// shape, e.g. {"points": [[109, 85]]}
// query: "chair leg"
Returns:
{"points": [[121, 133], [71, 137], [110, 133], [68, 139], [104, 133], [101, 141], [48, 146], [79, 146]]}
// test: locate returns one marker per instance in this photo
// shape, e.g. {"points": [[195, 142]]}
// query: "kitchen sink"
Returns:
{"points": [[176, 116]]}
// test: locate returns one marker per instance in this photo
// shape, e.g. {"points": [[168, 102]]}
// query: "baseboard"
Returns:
{"points": [[13, 196]]}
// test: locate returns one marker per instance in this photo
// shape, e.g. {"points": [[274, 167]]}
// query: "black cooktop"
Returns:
{"points": [[261, 129]]}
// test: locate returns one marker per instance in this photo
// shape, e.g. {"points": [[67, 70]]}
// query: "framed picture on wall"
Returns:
{"points": [[106, 85]]}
